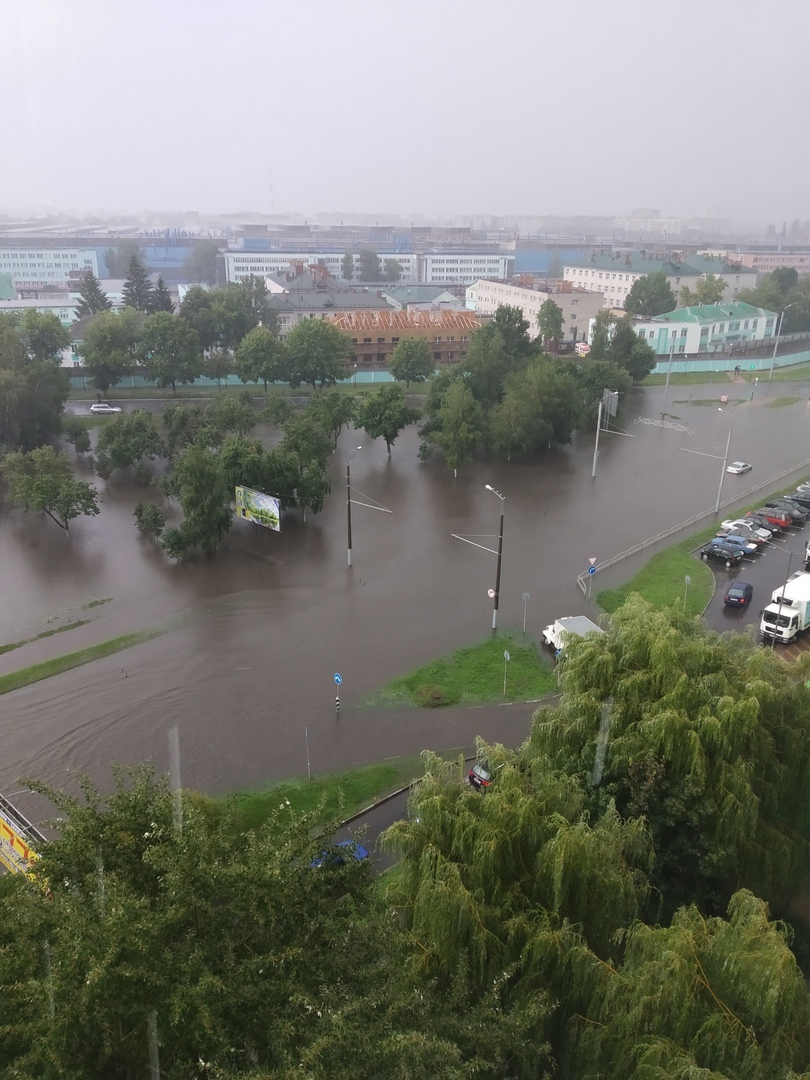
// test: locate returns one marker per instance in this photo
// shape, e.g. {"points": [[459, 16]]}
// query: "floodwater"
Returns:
{"points": [[255, 635]]}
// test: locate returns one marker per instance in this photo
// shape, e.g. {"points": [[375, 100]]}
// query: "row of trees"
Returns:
{"points": [[605, 910], [372, 268], [652, 294], [783, 290]]}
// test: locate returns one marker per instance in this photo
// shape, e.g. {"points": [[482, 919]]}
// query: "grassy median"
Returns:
{"points": [[36, 672], [474, 676]]}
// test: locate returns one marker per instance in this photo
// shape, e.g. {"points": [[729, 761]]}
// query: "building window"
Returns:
{"points": [[684, 332]]}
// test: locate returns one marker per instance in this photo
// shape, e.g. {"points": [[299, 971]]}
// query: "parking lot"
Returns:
{"points": [[765, 571]]}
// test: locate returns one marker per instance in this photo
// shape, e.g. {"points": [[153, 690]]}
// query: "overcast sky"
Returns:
{"points": [[425, 107]]}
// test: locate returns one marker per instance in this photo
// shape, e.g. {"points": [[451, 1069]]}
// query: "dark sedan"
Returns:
{"points": [[731, 556], [761, 522], [738, 594]]}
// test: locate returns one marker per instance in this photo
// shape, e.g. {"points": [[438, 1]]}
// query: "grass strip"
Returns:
{"points": [[36, 672], [345, 793], [45, 633], [661, 582], [474, 676], [781, 402]]}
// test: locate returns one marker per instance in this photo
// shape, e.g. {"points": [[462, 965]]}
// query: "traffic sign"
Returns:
{"points": [[591, 569], [338, 679], [506, 655], [592, 562], [490, 593]]}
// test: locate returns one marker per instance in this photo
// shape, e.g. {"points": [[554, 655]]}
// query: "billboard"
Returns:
{"points": [[256, 506]]}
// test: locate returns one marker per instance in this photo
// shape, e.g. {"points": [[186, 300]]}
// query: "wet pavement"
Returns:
{"points": [[255, 635]]}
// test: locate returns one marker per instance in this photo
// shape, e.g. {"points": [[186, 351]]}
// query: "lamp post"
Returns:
{"points": [[349, 502], [725, 462], [489, 487], [778, 333]]}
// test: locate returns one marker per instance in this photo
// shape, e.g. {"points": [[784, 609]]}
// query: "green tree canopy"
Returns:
{"points": [[109, 348], [92, 298], [347, 266], [487, 364], [197, 310], [460, 426], [550, 321], [128, 441], [219, 365], [200, 486], [138, 290], [650, 295], [200, 265], [316, 353], [43, 337], [171, 350], [41, 481], [384, 413], [117, 259], [514, 330], [392, 271], [32, 391], [708, 289], [333, 409], [412, 361], [161, 297], [260, 357], [369, 265]]}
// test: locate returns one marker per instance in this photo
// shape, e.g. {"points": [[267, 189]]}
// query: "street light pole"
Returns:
{"points": [[489, 487], [349, 502], [778, 334], [725, 462]]}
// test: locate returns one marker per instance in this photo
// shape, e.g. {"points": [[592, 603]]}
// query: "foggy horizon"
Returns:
{"points": [[433, 112]]}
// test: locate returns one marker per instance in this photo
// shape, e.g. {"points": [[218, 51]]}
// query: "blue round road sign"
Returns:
{"points": [[591, 569], [338, 679]]}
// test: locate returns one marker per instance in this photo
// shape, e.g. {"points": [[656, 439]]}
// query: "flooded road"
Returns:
{"points": [[255, 635]]}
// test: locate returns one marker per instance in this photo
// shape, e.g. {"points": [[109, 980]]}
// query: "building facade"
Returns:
{"points": [[578, 306], [375, 334], [612, 273], [707, 328], [427, 268], [33, 268]]}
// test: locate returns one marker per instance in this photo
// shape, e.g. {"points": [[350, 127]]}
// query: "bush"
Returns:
{"points": [[434, 697]]}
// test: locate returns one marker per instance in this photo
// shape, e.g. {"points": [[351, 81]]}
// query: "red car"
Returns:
{"points": [[775, 515]]}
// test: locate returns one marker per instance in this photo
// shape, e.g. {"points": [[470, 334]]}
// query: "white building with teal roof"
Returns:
{"points": [[708, 328]]}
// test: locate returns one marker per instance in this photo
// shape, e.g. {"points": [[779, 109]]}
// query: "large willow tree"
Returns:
{"points": [[705, 737]]}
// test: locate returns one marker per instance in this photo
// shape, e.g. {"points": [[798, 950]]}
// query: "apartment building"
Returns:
{"points": [[612, 273], [578, 306], [33, 268]]}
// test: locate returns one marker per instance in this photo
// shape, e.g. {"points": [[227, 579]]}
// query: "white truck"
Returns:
{"points": [[788, 613], [555, 635]]}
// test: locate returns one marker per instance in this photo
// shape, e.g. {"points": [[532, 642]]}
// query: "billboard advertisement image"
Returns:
{"points": [[256, 506]]}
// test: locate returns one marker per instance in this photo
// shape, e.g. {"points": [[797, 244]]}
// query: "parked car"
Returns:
{"points": [[745, 524], [746, 546], [793, 511], [776, 516], [723, 553], [103, 408], [763, 523], [743, 534], [337, 856], [739, 467], [738, 594], [800, 497], [480, 776]]}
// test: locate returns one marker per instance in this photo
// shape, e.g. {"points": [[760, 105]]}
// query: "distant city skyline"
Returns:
{"points": [[437, 110]]}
